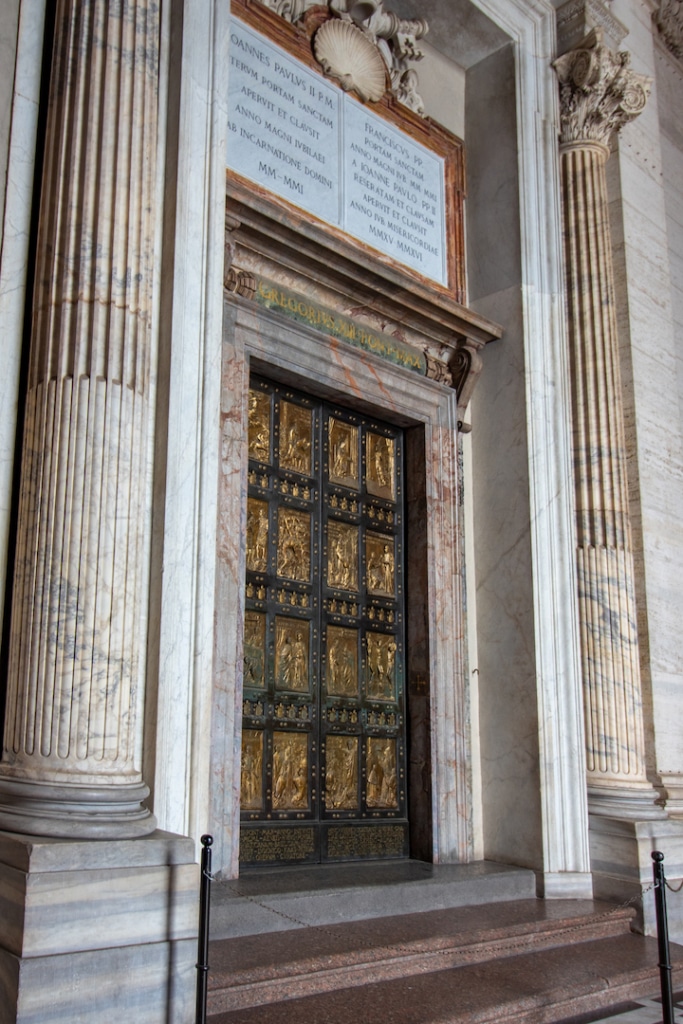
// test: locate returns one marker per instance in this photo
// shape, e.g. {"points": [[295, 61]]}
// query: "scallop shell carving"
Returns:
{"points": [[346, 54]]}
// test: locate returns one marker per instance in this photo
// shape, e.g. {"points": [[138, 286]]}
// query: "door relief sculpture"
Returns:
{"points": [[323, 736]]}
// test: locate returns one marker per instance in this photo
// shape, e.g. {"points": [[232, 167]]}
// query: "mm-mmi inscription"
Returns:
{"points": [[309, 143], [283, 125]]}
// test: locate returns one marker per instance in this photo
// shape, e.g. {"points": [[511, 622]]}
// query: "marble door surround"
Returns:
{"points": [[265, 246]]}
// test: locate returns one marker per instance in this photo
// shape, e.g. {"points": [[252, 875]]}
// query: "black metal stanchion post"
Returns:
{"points": [[665, 968], [203, 940]]}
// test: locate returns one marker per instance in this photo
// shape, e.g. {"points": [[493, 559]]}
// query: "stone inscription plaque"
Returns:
{"points": [[313, 145]]}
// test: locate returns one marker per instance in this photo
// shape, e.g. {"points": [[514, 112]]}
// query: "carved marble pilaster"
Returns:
{"points": [[599, 94], [71, 762]]}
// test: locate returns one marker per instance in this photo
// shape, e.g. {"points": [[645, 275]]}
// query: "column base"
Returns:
{"points": [[622, 866], [639, 803], [74, 811], [98, 931]]}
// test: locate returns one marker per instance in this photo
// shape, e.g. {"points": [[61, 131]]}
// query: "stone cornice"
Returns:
{"points": [[669, 21], [599, 93]]}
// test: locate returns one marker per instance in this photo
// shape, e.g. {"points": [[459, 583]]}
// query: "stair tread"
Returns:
{"points": [[529, 988], [282, 954]]}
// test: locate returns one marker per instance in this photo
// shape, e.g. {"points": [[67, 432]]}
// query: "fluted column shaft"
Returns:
{"points": [[72, 744], [598, 95]]}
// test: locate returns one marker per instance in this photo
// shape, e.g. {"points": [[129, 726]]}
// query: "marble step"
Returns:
{"points": [[277, 968], [301, 897]]}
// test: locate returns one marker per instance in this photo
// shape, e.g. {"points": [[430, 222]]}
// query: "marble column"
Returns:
{"points": [[598, 95], [71, 761]]}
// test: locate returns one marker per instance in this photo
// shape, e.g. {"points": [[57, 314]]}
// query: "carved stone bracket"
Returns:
{"points": [[598, 91], [669, 21], [359, 43]]}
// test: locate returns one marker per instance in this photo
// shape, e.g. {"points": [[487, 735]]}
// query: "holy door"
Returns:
{"points": [[323, 730]]}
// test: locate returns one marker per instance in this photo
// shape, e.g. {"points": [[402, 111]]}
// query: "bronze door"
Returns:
{"points": [[323, 729]]}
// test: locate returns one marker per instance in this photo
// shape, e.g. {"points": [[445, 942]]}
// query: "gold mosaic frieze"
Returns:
{"points": [[292, 645], [342, 555], [341, 773], [290, 771], [294, 544], [342, 662], [380, 766], [295, 437]]}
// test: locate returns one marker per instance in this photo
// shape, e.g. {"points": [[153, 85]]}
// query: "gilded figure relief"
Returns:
{"points": [[291, 654], [342, 555], [341, 773], [257, 535], [381, 665], [342, 662], [381, 466], [293, 544], [252, 770], [379, 554], [381, 772], [254, 648], [259, 426], [290, 771], [295, 438], [343, 440]]}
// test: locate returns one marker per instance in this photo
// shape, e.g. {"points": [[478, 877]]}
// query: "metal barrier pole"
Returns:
{"points": [[665, 967], [203, 939]]}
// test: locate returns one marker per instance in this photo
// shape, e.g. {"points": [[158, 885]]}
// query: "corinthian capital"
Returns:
{"points": [[669, 21], [598, 91]]}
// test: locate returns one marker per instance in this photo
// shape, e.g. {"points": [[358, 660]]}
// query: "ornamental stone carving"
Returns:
{"points": [[599, 93], [394, 39], [669, 21]]}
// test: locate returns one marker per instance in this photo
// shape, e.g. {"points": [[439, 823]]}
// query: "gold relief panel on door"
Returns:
{"points": [[341, 773], [343, 460], [259, 426], [293, 544], [252, 770], [254, 649], [342, 556], [292, 645], [257, 535], [342, 662], [381, 466], [381, 565], [295, 438], [290, 771], [381, 666], [380, 766]]}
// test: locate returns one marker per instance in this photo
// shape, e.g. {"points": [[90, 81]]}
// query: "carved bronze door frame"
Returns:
{"points": [[323, 737]]}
